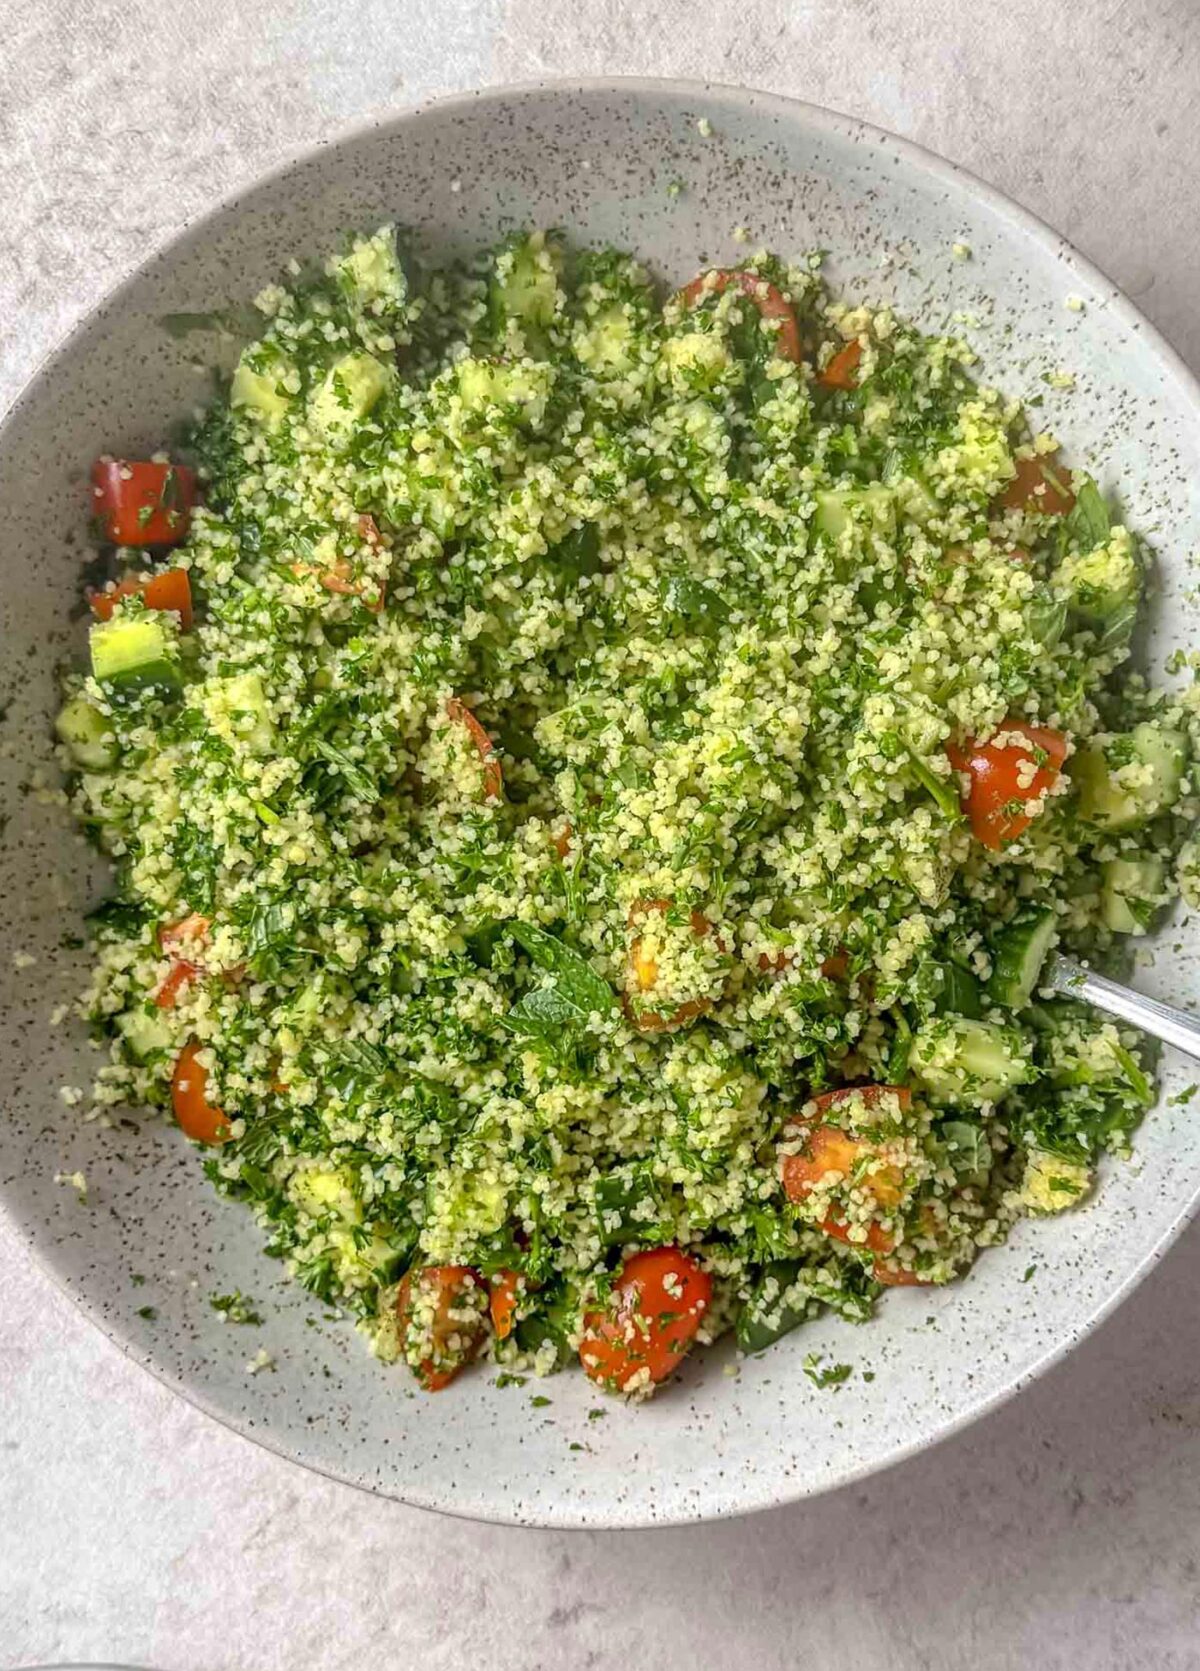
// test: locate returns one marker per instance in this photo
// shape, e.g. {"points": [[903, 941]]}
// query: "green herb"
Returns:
{"points": [[1183, 1096], [540, 1401], [560, 1008], [833, 1376], [577, 554], [355, 778], [235, 1308], [1030, 1270], [944, 790], [1088, 523], [184, 324], [149, 1312], [138, 1280], [694, 603]]}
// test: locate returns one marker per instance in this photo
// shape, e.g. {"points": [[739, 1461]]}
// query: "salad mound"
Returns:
{"points": [[592, 781]]}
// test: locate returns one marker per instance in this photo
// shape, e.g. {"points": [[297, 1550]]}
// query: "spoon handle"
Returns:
{"points": [[1164, 1021]]}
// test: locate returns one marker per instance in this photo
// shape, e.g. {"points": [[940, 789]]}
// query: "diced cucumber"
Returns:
{"points": [[351, 387], [488, 383], [260, 384], [606, 342], [771, 1312], [695, 360], [980, 462], [869, 508], [524, 285], [237, 709], [959, 993], [88, 735], [967, 1063], [1130, 893], [1164, 753], [133, 652], [1052, 1183], [1130, 779], [1103, 583], [914, 497], [145, 1033], [371, 274], [1018, 953]]}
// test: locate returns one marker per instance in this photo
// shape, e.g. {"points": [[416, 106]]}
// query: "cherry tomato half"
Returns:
{"points": [[1001, 784], [440, 1310], [654, 1310], [839, 373], [493, 777], [830, 1150], [765, 296], [504, 1290], [642, 974], [171, 590], [1040, 484], [139, 502], [197, 1118]]}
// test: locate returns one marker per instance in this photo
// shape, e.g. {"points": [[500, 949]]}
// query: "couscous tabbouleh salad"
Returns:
{"points": [[592, 781]]}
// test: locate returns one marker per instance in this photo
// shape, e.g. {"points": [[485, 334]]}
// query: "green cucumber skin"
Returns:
{"points": [[1018, 956]]}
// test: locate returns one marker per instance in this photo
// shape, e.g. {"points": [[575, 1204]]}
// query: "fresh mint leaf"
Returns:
{"points": [[1088, 523], [576, 981]]}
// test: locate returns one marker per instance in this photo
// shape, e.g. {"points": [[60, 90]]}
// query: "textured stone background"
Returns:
{"points": [[1062, 1532]]}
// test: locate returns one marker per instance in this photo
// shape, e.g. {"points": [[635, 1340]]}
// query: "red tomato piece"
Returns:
{"points": [[656, 1306], [180, 974], [1040, 484], [189, 931], [1000, 784], [839, 373], [340, 580], [830, 1150], [504, 1292], [493, 776], [562, 841], [139, 502], [836, 967], [171, 591], [190, 935], [869, 1094], [765, 296], [197, 1118], [440, 1310], [642, 973]]}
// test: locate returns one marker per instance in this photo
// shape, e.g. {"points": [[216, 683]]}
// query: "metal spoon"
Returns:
{"points": [[1164, 1021]]}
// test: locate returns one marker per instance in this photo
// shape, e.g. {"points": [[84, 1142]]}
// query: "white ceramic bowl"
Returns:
{"points": [[597, 160]]}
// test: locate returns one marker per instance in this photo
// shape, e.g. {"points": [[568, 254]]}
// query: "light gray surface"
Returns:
{"points": [[1063, 1530]]}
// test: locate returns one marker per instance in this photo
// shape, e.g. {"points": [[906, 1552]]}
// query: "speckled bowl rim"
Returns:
{"points": [[1024, 224]]}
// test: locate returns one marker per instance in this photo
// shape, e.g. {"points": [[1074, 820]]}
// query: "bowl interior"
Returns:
{"points": [[152, 1242]]}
